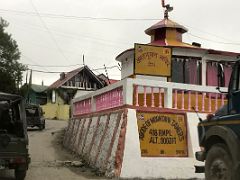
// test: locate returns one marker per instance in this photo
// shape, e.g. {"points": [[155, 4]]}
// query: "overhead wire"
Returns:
{"points": [[53, 72], [36, 65], [51, 15], [61, 16], [48, 30], [210, 40]]}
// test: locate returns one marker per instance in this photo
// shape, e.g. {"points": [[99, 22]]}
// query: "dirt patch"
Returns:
{"points": [[71, 160]]}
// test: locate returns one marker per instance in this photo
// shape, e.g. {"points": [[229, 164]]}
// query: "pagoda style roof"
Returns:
{"points": [[165, 23]]}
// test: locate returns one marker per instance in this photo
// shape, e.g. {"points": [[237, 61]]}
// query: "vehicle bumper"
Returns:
{"points": [[11, 162], [199, 169], [200, 155]]}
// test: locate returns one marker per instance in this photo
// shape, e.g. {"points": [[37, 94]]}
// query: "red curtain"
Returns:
{"points": [[212, 79], [227, 74], [193, 73]]}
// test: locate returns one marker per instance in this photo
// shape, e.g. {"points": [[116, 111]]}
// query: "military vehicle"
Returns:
{"points": [[219, 135], [35, 117], [13, 135]]}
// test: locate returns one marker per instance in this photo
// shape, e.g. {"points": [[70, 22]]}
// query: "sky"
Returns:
{"points": [[53, 35]]}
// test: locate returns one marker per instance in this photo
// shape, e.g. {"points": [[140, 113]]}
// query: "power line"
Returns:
{"points": [[36, 65], [110, 67], [210, 40], [53, 72], [47, 72], [49, 32], [49, 15], [32, 61], [211, 34]]}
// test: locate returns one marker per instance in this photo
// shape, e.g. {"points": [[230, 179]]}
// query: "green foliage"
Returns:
{"points": [[10, 69]]}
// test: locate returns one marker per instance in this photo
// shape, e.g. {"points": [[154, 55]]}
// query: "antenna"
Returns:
{"points": [[200, 119], [83, 60], [167, 10]]}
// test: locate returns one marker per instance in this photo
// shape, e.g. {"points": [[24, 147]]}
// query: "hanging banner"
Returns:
{"points": [[152, 60], [162, 134]]}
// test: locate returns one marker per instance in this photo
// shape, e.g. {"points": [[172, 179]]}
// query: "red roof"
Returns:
{"points": [[166, 23], [111, 81], [70, 75]]}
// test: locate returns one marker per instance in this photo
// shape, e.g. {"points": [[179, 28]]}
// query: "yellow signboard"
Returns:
{"points": [[162, 134], [152, 60]]}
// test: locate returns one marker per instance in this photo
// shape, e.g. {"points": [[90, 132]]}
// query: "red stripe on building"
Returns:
{"points": [[102, 138], [113, 139], [85, 138], [121, 145], [94, 135], [80, 134]]}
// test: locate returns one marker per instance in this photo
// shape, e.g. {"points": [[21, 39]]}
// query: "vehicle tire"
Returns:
{"points": [[41, 127], [20, 174], [219, 164]]}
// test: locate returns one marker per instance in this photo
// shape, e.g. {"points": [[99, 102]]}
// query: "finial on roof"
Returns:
{"points": [[167, 10]]}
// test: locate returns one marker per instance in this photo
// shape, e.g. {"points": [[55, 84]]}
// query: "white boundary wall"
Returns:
{"points": [[119, 155], [158, 167]]}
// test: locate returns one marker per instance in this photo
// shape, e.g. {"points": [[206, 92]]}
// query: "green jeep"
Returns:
{"points": [[34, 114], [13, 135]]}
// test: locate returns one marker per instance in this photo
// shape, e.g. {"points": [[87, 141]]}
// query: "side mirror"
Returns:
{"points": [[221, 77]]}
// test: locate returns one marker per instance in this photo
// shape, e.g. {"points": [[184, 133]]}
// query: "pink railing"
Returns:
{"points": [[110, 99], [106, 100], [151, 94], [82, 107], [186, 100]]}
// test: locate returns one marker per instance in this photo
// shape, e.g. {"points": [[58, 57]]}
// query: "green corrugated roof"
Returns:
{"points": [[38, 88]]}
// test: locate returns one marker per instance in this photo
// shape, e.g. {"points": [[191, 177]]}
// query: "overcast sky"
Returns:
{"points": [[62, 40]]}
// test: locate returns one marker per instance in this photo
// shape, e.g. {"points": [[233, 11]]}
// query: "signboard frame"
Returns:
{"points": [[162, 113], [134, 61]]}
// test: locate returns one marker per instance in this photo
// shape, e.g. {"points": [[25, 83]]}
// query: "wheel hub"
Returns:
{"points": [[219, 170]]}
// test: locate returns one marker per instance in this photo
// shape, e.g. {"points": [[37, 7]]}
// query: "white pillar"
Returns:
{"points": [[128, 91], [204, 71], [168, 97]]}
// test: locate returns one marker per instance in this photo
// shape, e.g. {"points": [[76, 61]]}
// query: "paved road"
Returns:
{"points": [[48, 157]]}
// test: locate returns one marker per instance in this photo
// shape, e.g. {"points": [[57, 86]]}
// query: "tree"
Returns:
{"points": [[10, 68]]}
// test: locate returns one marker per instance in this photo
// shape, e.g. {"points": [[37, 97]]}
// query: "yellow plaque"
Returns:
{"points": [[162, 134], [152, 60]]}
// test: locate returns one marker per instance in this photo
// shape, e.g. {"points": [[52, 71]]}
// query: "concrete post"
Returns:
{"points": [[204, 71], [128, 92], [168, 97]]}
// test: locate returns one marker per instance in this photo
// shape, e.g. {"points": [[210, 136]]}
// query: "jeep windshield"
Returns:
{"points": [[32, 112]]}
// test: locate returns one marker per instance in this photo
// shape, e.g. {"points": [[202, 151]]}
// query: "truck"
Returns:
{"points": [[219, 134], [13, 135]]}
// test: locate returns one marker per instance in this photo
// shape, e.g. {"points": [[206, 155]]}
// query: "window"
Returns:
{"points": [[53, 96], [227, 73], [186, 70], [212, 73]]}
